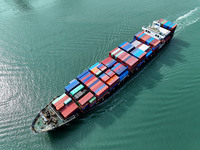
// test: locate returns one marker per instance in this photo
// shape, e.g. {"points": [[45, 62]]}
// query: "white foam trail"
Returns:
{"points": [[188, 19]]}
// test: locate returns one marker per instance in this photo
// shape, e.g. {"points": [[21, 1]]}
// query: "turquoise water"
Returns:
{"points": [[45, 44]]}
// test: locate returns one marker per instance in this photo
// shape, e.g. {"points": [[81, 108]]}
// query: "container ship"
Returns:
{"points": [[92, 87]]}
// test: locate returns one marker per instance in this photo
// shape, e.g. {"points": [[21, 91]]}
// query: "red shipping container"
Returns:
{"points": [[61, 101], [132, 63], [102, 67], [126, 56], [84, 100], [101, 96], [105, 78], [110, 73], [86, 77], [67, 111], [91, 79], [154, 43], [144, 38], [102, 91], [113, 51], [89, 83], [139, 35], [122, 55], [107, 60], [119, 58], [96, 86]]}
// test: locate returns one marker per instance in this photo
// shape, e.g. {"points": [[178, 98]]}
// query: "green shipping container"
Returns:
{"points": [[77, 89], [67, 101], [92, 100]]}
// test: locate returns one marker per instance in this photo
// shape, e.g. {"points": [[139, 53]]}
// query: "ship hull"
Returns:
{"points": [[101, 102]]}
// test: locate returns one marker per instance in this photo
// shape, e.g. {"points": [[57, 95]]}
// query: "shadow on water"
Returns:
{"points": [[21, 5], [106, 115]]}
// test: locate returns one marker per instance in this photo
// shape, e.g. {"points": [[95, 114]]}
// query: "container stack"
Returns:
{"points": [[88, 100], [124, 58], [128, 47], [123, 44], [109, 62], [168, 25], [97, 69], [110, 78], [61, 101], [142, 47], [75, 89], [120, 70], [94, 84], [65, 105], [69, 110], [113, 82], [104, 77], [139, 54], [147, 39]]}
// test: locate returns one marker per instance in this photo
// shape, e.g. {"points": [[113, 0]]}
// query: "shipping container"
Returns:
{"points": [[74, 83], [112, 82], [82, 74], [79, 94], [168, 25], [132, 63], [102, 67], [85, 99], [118, 68], [110, 73], [123, 75], [144, 47], [67, 111], [135, 43], [101, 92], [59, 102], [97, 86], [144, 38], [128, 47], [109, 62], [104, 77], [92, 101], [69, 100], [123, 44], [77, 89], [138, 53], [87, 77]]}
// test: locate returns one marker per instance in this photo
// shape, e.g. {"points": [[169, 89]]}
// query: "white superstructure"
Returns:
{"points": [[155, 30]]}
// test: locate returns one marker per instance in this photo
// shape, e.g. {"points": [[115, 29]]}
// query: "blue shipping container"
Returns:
{"points": [[149, 54], [128, 47], [122, 44], [89, 77], [123, 75], [83, 73], [93, 66], [111, 63], [74, 83], [137, 52]]}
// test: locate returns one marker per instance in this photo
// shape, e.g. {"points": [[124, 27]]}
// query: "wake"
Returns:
{"points": [[187, 19]]}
